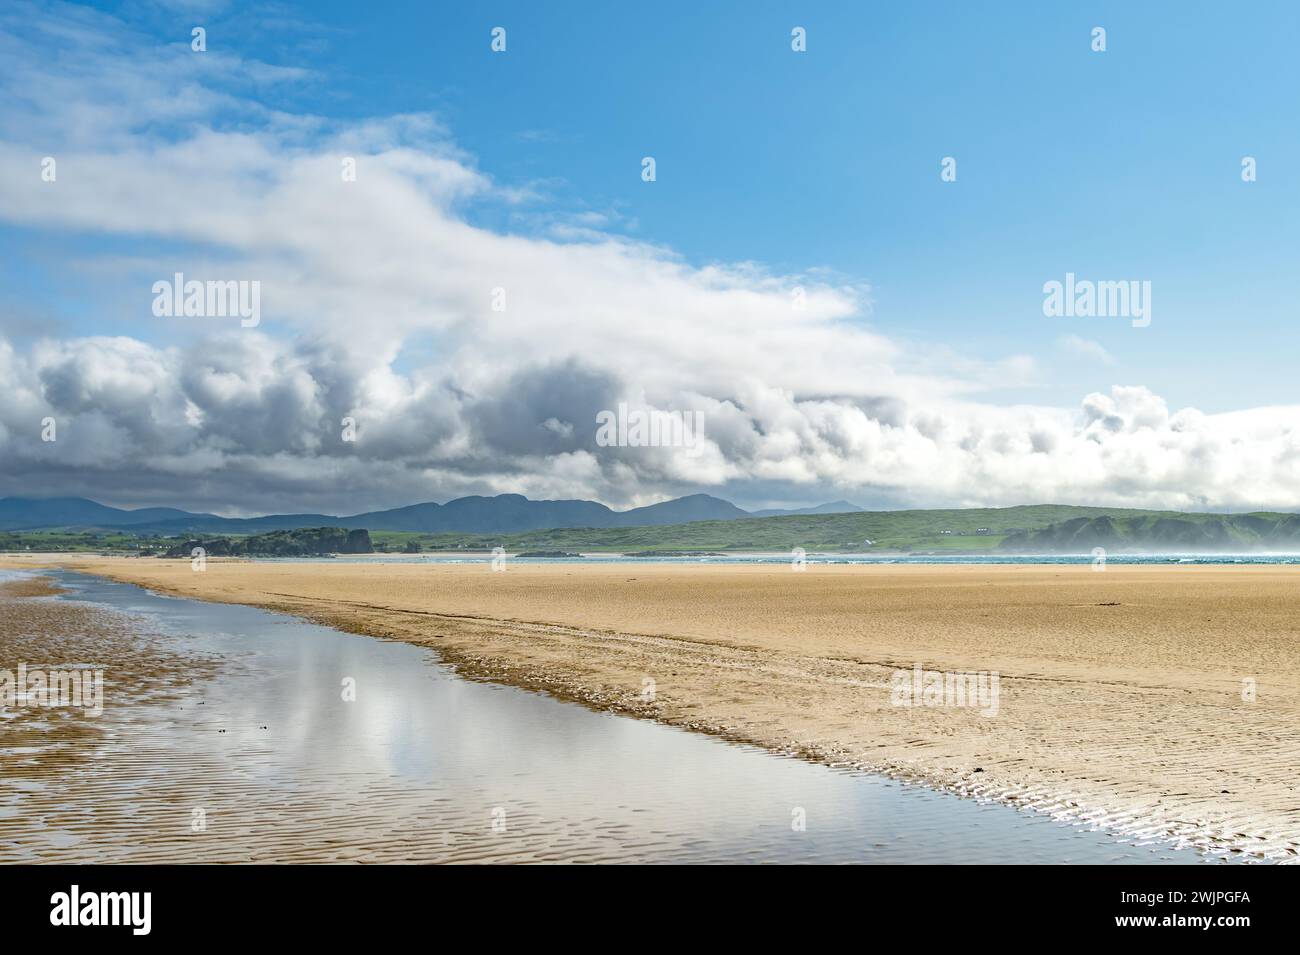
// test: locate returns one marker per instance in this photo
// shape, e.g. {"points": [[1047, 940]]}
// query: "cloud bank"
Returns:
{"points": [[473, 360]]}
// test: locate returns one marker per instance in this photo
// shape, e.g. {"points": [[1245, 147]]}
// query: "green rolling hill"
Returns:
{"points": [[956, 531], [1191, 533]]}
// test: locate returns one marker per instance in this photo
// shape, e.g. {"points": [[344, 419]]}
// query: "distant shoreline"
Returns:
{"points": [[1119, 558]]}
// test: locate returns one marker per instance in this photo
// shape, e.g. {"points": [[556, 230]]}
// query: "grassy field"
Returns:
{"points": [[63, 541], [1037, 528], [963, 531]]}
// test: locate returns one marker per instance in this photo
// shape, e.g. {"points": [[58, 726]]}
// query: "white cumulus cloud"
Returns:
{"points": [[377, 305]]}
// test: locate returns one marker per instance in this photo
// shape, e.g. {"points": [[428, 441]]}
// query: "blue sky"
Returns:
{"points": [[1114, 165], [1117, 164]]}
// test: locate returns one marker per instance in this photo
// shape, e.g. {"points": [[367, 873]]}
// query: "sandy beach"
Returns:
{"points": [[1121, 699]]}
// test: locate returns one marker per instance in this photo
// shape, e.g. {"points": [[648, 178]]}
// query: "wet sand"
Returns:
{"points": [[37, 741], [1120, 692], [49, 754]]}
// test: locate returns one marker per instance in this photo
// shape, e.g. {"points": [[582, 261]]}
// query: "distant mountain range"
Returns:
{"points": [[834, 507], [502, 514], [698, 523], [24, 513]]}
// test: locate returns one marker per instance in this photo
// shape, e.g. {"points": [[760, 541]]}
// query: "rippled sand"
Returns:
{"points": [[1121, 692], [57, 779]]}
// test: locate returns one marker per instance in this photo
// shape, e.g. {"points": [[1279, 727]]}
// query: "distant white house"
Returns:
{"points": [[867, 543]]}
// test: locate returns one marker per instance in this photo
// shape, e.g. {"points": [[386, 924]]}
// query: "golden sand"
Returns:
{"points": [[1121, 693]]}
